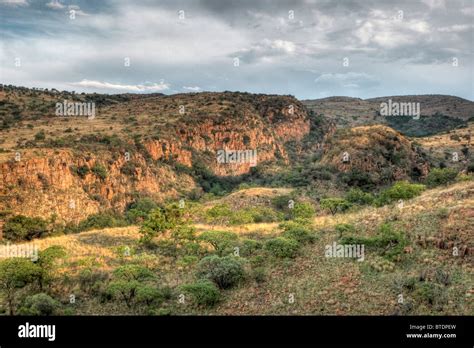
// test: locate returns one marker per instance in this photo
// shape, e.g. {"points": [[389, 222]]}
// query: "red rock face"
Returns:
{"points": [[43, 184]]}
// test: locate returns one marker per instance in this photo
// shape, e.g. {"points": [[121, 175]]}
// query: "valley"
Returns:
{"points": [[226, 203]]}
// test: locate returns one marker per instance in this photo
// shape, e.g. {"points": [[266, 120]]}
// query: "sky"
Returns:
{"points": [[309, 48]]}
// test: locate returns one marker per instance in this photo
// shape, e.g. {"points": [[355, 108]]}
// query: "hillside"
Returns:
{"points": [[159, 146], [430, 278], [439, 113]]}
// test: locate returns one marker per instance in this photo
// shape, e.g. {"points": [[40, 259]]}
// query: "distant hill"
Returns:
{"points": [[439, 113]]}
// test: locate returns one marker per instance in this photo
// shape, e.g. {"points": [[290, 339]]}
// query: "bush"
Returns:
{"points": [[282, 202], [225, 271], [357, 196], [129, 284], [399, 190], [438, 176], [389, 242], [40, 135], [101, 220], [259, 274], [301, 234], [249, 246], [264, 214], [81, 171], [303, 211], [220, 240], [282, 247], [20, 228], [344, 229], [335, 205], [203, 292], [241, 217], [100, 171], [39, 304], [139, 210], [218, 214]]}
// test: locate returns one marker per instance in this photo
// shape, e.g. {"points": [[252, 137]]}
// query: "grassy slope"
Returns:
{"points": [[319, 285]]}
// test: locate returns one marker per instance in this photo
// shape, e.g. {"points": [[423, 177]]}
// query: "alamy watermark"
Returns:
{"points": [[237, 156], [29, 251], [354, 251], [67, 108], [400, 109]]}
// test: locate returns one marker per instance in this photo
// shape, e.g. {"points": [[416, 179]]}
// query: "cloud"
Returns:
{"points": [[55, 5], [192, 89], [276, 50], [265, 50], [14, 2], [152, 87]]}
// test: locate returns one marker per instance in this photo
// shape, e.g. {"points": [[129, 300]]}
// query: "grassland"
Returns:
{"points": [[307, 284]]}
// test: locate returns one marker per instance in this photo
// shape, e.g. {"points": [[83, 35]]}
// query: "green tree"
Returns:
{"points": [[15, 274], [160, 221], [335, 205], [129, 281], [20, 228], [46, 263]]}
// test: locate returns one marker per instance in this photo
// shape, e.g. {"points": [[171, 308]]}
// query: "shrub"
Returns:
{"points": [[220, 240], [282, 202], [357, 196], [81, 171], [429, 293], [399, 190], [39, 304], [203, 292], [129, 281], [225, 271], [241, 217], [282, 247], [344, 229], [303, 211], [440, 176], [249, 246], [335, 205], [139, 210], [148, 295], [20, 227], [100, 171], [259, 274], [40, 135], [218, 214], [263, 214], [100, 220], [301, 234], [389, 242]]}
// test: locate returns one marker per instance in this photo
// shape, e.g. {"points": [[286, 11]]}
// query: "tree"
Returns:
{"points": [[46, 263], [335, 205], [130, 283], [15, 274], [20, 227], [160, 221]]}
